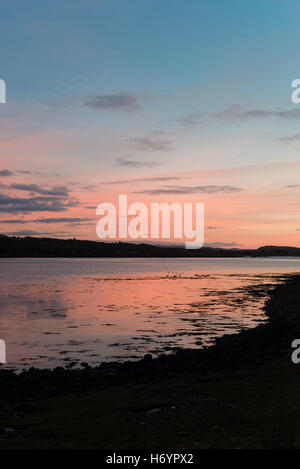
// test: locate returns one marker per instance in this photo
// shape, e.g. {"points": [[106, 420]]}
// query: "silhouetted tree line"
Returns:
{"points": [[11, 246]]}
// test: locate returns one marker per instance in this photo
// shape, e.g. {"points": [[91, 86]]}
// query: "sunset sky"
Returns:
{"points": [[161, 100]]}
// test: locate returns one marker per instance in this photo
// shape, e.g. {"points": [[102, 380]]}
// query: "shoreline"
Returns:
{"points": [[246, 350], [243, 392]]}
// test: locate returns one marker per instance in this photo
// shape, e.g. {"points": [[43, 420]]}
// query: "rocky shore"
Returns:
{"points": [[248, 349]]}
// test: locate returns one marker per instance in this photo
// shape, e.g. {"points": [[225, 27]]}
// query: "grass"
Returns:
{"points": [[255, 409]]}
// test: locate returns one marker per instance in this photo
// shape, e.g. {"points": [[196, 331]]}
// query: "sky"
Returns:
{"points": [[167, 101]]}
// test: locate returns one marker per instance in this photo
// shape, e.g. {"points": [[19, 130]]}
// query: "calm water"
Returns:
{"points": [[59, 311]]}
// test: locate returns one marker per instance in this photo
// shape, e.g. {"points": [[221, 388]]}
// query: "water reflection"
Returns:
{"points": [[74, 318]]}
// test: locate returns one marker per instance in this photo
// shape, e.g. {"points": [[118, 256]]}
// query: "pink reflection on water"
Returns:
{"points": [[117, 317]]}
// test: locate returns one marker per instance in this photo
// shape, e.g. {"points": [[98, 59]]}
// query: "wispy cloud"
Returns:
{"points": [[142, 180], [54, 220], [150, 144], [127, 161], [61, 220], [10, 204], [26, 172], [236, 112], [192, 119], [60, 191], [223, 245], [5, 172], [8, 172], [127, 102], [210, 189], [290, 138], [14, 221]]}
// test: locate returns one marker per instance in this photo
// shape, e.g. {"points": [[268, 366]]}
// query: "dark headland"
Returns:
{"points": [[243, 392], [12, 246]]}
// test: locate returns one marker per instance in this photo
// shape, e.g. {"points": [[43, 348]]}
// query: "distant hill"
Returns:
{"points": [[11, 246]]}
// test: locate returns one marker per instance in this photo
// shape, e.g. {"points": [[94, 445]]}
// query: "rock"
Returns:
{"points": [[84, 365], [147, 358]]}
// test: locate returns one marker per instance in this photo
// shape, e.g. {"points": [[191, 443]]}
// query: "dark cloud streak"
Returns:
{"points": [[127, 102], [58, 191], [209, 189], [128, 162], [5, 172], [10, 204]]}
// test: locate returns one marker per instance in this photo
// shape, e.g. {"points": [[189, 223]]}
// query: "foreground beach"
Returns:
{"points": [[242, 392]]}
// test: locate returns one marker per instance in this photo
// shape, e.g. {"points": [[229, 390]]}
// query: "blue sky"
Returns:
{"points": [[58, 48]]}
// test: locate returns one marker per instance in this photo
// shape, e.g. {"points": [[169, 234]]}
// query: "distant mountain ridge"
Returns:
{"points": [[12, 246]]}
